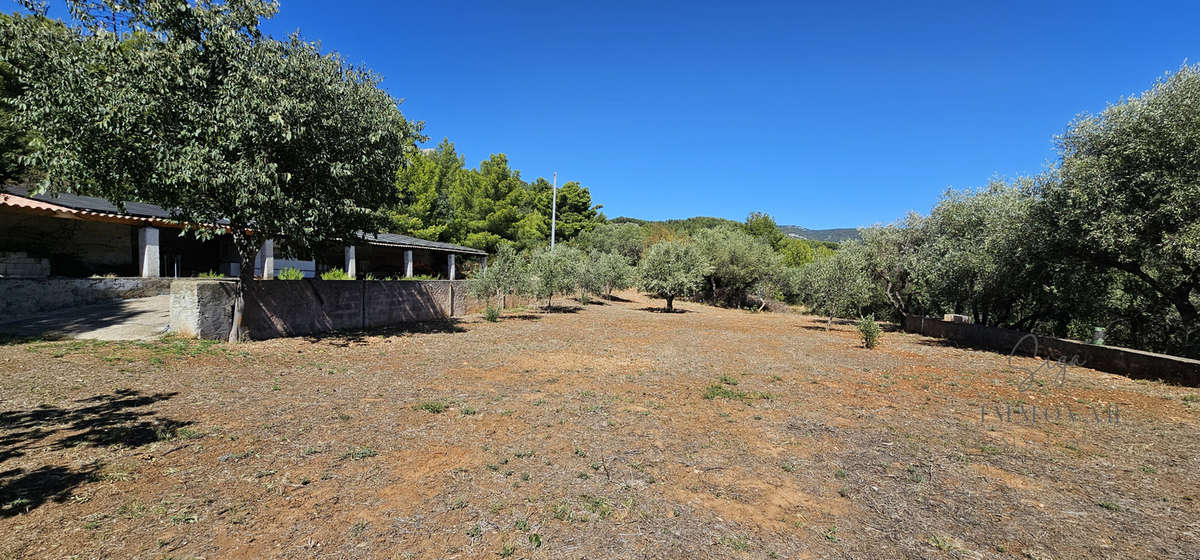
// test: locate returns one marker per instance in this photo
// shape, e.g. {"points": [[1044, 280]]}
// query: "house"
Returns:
{"points": [[79, 236]]}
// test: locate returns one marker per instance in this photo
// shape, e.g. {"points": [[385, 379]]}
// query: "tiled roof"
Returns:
{"points": [[19, 196]]}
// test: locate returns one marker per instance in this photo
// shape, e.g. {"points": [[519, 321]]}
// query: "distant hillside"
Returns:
{"points": [[835, 235], [691, 225]]}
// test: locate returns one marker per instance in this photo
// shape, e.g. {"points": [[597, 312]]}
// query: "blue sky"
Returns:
{"points": [[824, 115]]}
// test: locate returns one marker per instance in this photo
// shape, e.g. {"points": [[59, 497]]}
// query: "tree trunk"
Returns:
{"points": [[670, 304], [829, 323], [247, 251]]}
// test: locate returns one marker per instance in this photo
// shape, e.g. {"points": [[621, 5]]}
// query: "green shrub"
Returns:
{"points": [[335, 274], [211, 274], [869, 329], [491, 314], [290, 273], [419, 277]]}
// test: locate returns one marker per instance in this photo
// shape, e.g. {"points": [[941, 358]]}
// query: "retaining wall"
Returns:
{"points": [[21, 298], [1122, 361], [278, 308]]}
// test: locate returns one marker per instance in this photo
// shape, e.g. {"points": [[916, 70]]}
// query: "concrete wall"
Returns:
{"points": [[277, 308], [202, 308], [74, 247], [1122, 361], [21, 298]]}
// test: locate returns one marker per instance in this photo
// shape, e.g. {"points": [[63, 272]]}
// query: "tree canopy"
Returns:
{"points": [[441, 199]]}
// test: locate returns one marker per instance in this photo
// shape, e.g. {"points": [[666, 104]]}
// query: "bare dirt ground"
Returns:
{"points": [[586, 434]]}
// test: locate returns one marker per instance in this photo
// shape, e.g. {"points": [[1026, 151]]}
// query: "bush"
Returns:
{"points": [[211, 274], [290, 273], [491, 314], [335, 274], [869, 329]]}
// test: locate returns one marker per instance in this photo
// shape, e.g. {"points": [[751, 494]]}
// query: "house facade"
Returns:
{"points": [[67, 235]]}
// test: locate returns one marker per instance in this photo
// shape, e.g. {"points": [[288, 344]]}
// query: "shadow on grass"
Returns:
{"points": [[107, 420], [618, 299], [664, 310], [559, 309], [345, 339]]}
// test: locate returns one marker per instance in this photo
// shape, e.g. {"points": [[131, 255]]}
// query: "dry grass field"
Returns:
{"points": [[607, 431]]}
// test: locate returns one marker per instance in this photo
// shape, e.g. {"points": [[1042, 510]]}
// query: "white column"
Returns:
{"points": [[408, 263], [265, 262], [351, 262], [450, 266], [148, 263]]}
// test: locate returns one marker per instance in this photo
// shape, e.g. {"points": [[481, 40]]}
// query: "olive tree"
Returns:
{"points": [[670, 269], [1128, 197], [507, 274], [838, 285], [554, 271], [188, 105], [611, 271]]}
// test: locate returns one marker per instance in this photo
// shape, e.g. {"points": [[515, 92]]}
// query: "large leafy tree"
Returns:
{"points": [[424, 209], [739, 262], [188, 105], [1129, 194]]}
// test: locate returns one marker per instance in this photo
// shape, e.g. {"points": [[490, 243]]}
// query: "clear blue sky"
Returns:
{"points": [[825, 115]]}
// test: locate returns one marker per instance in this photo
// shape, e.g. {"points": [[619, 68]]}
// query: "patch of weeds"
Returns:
{"points": [[1149, 470], [468, 411], [715, 391], [840, 474], [914, 474], [506, 551], [831, 534], [523, 454], [359, 453], [990, 449], [583, 476], [432, 407], [535, 540], [1109, 506], [940, 543], [132, 510], [735, 542], [475, 531], [1193, 398], [495, 507], [727, 380], [580, 453], [776, 378], [358, 529], [788, 467], [562, 511], [598, 505], [521, 525], [844, 492]]}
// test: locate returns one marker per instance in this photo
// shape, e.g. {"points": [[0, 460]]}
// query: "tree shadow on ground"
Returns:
{"points": [[107, 420], [345, 339], [559, 309], [653, 309], [618, 299]]}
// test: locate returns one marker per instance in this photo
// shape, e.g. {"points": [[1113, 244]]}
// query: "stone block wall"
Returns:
{"points": [[21, 265], [22, 298], [202, 308]]}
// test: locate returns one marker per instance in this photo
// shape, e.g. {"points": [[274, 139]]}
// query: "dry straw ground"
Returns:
{"points": [[585, 434]]}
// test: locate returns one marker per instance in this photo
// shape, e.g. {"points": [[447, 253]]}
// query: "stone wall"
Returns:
{"points": [[21, 298], [21, 265], [1122, 361], [279, 308], [202, 308]]}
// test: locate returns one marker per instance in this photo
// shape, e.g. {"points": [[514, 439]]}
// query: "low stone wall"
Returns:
{"points": [[279, 308], [1122, 361], [22, 298], [202, 308]]}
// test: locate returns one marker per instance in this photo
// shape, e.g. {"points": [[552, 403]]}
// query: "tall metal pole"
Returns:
{"points": [[553, 209]]}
